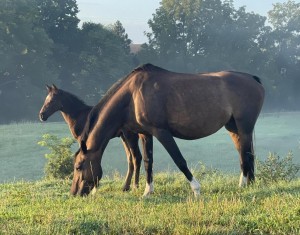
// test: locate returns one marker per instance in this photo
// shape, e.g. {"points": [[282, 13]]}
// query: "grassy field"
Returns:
{"points": [[32, 205], [45, 207], [22, 158]]}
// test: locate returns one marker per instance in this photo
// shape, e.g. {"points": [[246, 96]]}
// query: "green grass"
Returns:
{"points": [[22, 158], [37, 206], [45, 207]]}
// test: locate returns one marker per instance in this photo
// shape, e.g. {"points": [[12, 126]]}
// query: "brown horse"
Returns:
{"points": [[164, 104], [75, 113]]}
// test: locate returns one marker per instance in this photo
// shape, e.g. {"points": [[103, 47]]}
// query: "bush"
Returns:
{"points": [[60, 158], [275, 169]]}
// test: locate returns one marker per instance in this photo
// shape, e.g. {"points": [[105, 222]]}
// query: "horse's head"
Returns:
{"points": [[52, 103], [87, 171]]}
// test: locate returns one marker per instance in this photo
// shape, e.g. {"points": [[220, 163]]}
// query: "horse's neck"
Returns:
{"points": [[109, 120], [76, 118]]}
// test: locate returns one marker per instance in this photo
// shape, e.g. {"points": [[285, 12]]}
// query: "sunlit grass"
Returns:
{"points": [[45, 207]]}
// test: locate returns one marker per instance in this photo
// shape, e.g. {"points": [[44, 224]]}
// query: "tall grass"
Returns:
{"points": [[45, 207]]}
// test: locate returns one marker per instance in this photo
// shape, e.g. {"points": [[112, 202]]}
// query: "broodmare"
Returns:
{"points": [[165, 104], [75, 113]]}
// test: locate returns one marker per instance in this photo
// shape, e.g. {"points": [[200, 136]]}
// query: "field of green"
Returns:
{"points": [[30, 204], [22, 158], [45, 207]]}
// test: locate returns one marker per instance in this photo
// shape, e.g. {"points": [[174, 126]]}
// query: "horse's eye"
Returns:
{"points": [[79, 166]]}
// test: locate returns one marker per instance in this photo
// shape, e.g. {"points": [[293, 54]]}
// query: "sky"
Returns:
{"points": [[134, 14]]}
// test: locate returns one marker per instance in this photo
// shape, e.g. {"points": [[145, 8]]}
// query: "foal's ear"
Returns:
{"points": [[83, 147], [49, 88], [54, 87]]}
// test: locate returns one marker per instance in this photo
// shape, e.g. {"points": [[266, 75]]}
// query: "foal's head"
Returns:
{"points": [[52, 103]]}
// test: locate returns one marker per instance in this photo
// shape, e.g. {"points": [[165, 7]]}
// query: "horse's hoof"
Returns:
{"points": [[147, 194], [94, 190], [195, 187], [243, 180], [126, 189], [148, 190], [197, 194]]}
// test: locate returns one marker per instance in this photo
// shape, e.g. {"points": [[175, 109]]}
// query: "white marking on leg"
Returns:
{"points": [[195, 187], [148, 189], [243, 180], [94, 190]]}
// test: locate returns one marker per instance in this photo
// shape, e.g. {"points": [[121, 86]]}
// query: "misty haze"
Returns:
{"points": [[46, 47]]}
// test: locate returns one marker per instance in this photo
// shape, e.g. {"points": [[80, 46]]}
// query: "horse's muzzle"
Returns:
{"points": [[42, 117]]}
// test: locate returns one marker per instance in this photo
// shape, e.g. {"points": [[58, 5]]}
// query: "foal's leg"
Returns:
{"points": [[167, 140], [126, 186], [133, 142], [134, 159], [147, 142]]}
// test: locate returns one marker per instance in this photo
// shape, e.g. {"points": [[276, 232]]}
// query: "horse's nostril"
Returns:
{"points": [[42, 117]]}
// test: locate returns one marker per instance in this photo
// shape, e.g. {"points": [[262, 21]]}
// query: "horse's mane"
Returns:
{"points": [[93, 115], [149, 68]]}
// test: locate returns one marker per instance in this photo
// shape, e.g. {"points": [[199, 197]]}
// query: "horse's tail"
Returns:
{"points": [[253, 153], [257, 79], [252, 143]]}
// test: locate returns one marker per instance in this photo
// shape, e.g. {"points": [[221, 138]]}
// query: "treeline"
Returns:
{"points": [[42, 42]]}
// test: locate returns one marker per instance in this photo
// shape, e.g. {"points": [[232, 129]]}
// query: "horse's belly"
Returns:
{"points": [[197, 127]]}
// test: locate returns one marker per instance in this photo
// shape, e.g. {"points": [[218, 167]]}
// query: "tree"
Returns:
{"points": [[172, 35], [104, 58], [59, 19], [285, 20], [205, 35], [24, 49], [120, 32]]}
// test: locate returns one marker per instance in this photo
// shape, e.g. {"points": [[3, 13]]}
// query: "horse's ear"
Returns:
{"points": [[83, 146], [54, 87]]}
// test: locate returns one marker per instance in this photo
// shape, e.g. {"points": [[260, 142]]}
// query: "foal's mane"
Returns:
{"points": [[72, 99], [93, 115]]}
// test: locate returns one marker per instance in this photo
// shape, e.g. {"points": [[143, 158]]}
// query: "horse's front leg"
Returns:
{"points": [[147, 142], [167, 140]]}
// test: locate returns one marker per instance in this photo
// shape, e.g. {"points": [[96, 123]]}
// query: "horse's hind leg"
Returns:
{"points": [[246, 159], [243, 144], [167, 140]]}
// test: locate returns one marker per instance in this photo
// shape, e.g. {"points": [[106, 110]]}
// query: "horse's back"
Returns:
{"points": [[195, 105]]}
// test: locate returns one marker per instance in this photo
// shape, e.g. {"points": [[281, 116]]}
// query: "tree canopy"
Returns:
{"points": [[43, 42], [210, 35]]}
